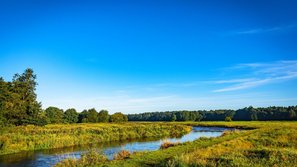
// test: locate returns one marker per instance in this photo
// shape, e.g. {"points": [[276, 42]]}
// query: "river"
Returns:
{"points": [[46, 158]]}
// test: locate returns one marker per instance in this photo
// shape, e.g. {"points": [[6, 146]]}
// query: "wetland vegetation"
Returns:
{"points": [[265, 144], [268, 137]]}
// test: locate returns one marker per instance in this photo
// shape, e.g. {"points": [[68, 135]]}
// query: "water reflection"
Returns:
{"points": [[46, 158]]}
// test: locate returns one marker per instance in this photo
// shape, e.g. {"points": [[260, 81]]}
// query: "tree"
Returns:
{"points": [[4, 94], [118, 117], [92, 115], [82, 117], [103, 116], [228, 119], [173, 117], [54, 115], [71, 116], [20, 104]]}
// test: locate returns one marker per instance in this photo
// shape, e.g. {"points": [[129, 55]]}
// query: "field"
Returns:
{"points": [[261, 144], [25, 138]]}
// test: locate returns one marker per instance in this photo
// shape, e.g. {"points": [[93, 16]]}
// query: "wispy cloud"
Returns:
{"points": [[263, 73], [265, 30], [233, 81], [133, 104]]}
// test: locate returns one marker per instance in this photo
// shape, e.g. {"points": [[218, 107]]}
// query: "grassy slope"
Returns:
{"points": [[24, 138], [268, 144]]}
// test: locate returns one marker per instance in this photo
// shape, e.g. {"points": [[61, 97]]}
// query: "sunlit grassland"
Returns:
{"points": [[25, 138], [263, 144]]}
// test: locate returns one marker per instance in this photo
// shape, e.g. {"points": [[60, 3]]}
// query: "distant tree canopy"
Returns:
{"points": [[103, 116], [118, 117], [54, 115], [19, 106], [92, 115], [71, 116], [245, 114]]}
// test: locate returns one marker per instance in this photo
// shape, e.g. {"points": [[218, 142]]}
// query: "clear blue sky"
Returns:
{"points": [[137, 56]]}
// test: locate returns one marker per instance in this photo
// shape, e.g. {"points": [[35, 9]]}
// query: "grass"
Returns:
{"points": [[264, 144], [25, 138]]}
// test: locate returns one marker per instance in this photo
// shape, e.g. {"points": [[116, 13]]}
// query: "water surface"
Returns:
{"points": [[46, 158]]}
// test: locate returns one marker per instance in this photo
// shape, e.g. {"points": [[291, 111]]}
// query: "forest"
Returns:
{"points": [[244, 114], [19, 106], [25, 126]]}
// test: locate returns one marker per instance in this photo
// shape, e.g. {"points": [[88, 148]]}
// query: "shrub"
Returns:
{"points": [[228, 119], [92, 157], [167, 144], [124, 154]]}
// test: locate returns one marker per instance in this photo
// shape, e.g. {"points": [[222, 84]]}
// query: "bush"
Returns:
{"points": [[92, 157], [167, 144], [124, 154], [228, 119]]}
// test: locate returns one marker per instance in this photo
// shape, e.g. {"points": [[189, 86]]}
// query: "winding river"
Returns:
{"points": [[46, 158]]}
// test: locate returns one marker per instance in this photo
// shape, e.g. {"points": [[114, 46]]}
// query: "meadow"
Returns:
{"points": [[27, 138], [258, 144]]}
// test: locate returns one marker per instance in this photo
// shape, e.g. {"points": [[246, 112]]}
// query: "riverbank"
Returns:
{"points": [[28, 138], [267, 144]]}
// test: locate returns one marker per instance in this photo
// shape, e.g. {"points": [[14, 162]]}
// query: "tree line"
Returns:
{"points": [[244, 114], [55, 115], [19, 106]]}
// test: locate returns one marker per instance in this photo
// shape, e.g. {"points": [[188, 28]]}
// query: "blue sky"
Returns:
{"points": [[139, 56]]}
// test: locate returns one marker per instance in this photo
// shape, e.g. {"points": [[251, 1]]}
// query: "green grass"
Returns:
{"points": [[25, 138], [264, 144]]}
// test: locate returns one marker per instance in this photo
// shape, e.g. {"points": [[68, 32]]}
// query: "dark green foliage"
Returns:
{"points": [[82, 117], [245, 114], [92, 115], [118, 117], [71, 116], [103, 116], [218, 115], [166, 116], [173, 117], [18, 104], [54, 115]]}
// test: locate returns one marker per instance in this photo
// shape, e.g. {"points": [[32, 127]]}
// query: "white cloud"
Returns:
{"points": [[265, 30], [156, 97], [130, 104], [263, 73]]}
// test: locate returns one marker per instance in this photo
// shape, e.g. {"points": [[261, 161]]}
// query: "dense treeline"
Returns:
{"points": [[56, 115], [166, 116], [19, 106], [245, 114]]}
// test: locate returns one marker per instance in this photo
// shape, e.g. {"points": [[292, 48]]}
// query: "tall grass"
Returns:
{"points": [[24, 138], [267, 144]]}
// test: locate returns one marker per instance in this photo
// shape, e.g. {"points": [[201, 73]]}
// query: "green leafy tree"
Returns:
{"points": [[118, 117], [54, 115], [4, 93], [18, 101], [92, 115], [103, 116], [228, 119], [82, 117], [173, 117], [71, 116]]}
